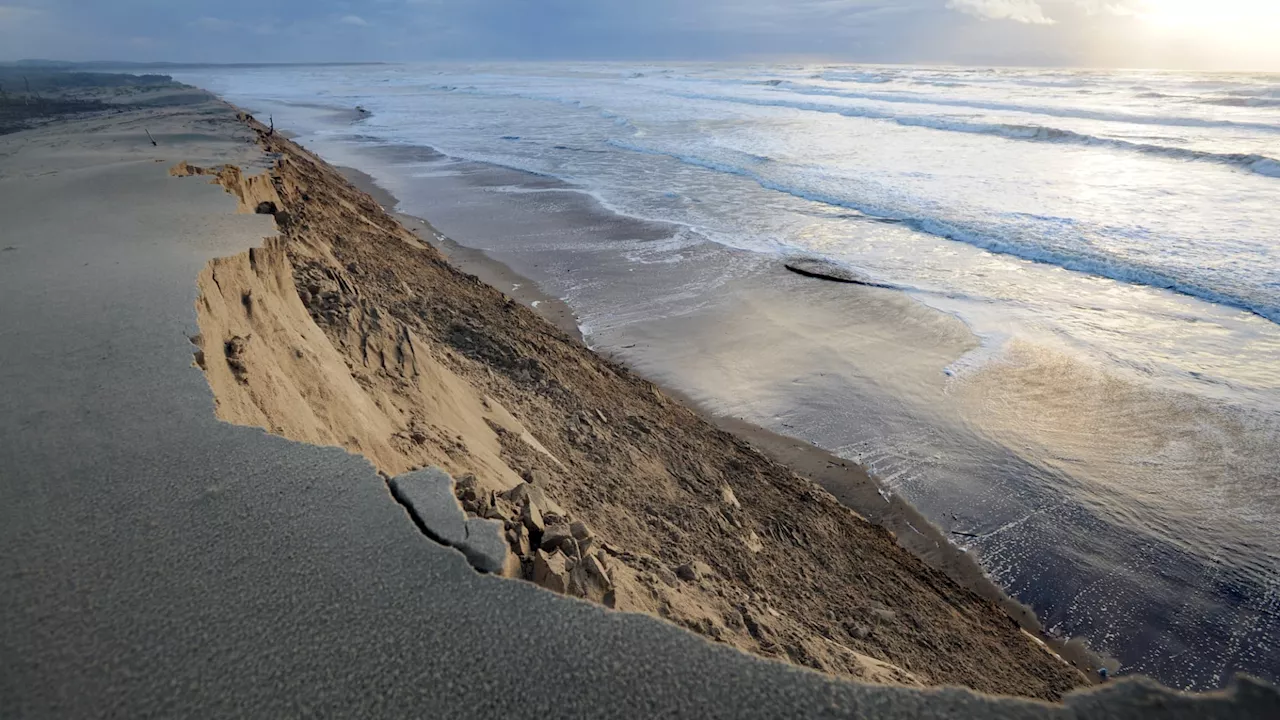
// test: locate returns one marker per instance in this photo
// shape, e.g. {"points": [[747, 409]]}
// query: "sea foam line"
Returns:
{"points": [[1092, 265], [1052, 111], [1260, 164]]}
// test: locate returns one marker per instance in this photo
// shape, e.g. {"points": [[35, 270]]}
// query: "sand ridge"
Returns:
{"points": [[346, 330]]}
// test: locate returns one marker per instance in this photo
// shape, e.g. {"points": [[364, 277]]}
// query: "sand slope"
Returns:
{"points": [[345, 330], [280, 371]]}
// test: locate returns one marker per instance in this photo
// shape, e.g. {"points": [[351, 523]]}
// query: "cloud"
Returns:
{"points": [[1113, 7], [1023, 11], [1016, 32]]}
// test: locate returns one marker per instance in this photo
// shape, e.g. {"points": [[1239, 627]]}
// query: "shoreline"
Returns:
{"points": [[1121, 497], [847, 481], [347, 330]]}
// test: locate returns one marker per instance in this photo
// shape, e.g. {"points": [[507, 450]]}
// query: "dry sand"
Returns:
{"points": [[347, 329]]}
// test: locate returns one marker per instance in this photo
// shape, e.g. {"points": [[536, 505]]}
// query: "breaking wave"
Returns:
{"points": [[1114, 268], [1259, 164], [1048, 110]]}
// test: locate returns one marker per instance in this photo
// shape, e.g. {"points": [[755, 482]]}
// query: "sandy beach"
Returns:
{"points": [[383, 349], [173, 262]]}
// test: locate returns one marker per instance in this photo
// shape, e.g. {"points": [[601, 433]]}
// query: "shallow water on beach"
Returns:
{"points": [[1078, 371]]}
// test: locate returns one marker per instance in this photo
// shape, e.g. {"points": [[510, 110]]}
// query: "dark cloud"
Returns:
{"points": [[1074, 32]]}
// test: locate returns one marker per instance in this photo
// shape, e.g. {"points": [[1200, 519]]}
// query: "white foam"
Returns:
{"points": [[1036, 133], [1128, 271]]}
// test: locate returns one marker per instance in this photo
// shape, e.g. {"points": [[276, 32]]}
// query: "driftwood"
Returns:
{"points": [[834, 275]]}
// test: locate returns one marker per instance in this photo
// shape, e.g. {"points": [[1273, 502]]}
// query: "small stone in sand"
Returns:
{"points": [[693, 571], [884, 615], [666, 576], [726, 495]]}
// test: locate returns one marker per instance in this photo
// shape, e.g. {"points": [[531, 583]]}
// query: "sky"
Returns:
{"points": [[1179, 34]]}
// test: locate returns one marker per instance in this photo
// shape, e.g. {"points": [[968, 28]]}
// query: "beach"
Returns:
{"points": [[158, 560], [172, 264], [424, 366], [1056, 353]]}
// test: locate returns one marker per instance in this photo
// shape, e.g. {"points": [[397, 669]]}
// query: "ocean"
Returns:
{"points": [[1070, 358]]}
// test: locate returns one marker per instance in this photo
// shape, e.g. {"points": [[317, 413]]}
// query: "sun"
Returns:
{"points": [[1212, 33], [1211, 15]]}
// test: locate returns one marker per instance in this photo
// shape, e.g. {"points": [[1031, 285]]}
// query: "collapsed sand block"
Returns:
{"points": [[550, 570], [257, 193], [429, 497]]}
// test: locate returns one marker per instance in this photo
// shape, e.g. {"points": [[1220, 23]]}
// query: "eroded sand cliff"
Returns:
{"points": [[346, 329]]}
